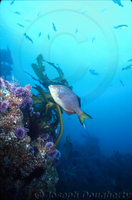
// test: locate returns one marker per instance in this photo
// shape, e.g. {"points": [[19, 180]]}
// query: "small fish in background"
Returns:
{"points": [[76, 31], [54, 26], [84, 12], [93, 38], [27, 20], [121, 26], [103, 10], [39, 13], [20, 25], [28, 38], [48, 37], [67, 148], [39, 34], [79, 9], [128, 67], [92, 71], [118, 2], [129, 60], [18, 13], [122, 82], [69, 101], [12, 2]]}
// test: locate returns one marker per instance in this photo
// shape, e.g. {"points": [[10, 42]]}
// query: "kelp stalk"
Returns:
{"points": [[61, 129]]}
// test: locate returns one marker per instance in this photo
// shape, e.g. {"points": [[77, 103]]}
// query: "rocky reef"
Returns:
{"points": [[28, 136], [24, 165]]}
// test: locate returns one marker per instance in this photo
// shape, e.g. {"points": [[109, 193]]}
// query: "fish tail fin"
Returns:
{"points": [[83, 116]]}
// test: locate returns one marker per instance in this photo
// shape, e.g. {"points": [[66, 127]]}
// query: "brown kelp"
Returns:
{"points": [[50, 112]]}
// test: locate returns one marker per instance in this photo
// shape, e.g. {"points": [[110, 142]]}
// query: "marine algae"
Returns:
{"points": [[44, 103]]}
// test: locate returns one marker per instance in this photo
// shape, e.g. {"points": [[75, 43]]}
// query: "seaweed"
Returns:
{"points": [[50, 112]]}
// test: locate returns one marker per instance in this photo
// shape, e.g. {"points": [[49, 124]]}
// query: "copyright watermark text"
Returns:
{"points": [[84, 195]]}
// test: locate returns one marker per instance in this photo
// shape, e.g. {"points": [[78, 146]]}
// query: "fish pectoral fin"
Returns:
{"points": [[61, 95], [69, 112]]}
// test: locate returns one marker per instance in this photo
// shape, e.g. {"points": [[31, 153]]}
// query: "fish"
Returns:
{"points": [[48, 37], [54, 27], [27, 20], [84, 12], [92, 71], [128, 67], [18, 13], [76, 31], [129, 60], [93, 38], [20, 25], [39, 13], [121, 26], [79, 9], [67, 148], [122, 82], [118, 2], [103, 10], [69, 101], [39, 34], [12, 2], [28, 38]]}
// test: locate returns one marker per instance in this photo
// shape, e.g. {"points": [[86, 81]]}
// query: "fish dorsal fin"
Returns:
{"points": [[67, 138], [69, 112], [79, 101]]}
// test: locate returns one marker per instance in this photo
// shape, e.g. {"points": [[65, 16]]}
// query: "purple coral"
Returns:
{"points": [[45, 136], [19, 91], [13, 90], [4, 105], [6, 83], [20, 133], [49, 145]]}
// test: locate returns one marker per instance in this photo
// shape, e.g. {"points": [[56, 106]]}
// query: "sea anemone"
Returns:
{"points": [[52, 153], [45, 136], [13, 191], [49, 145], [4, 105], [20, 133], [57, 155]]}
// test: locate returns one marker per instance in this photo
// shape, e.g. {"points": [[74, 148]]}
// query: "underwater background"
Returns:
{"points": [[90, 41]]}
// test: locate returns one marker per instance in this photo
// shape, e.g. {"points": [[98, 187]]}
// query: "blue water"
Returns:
{"points": [[85, 38]]}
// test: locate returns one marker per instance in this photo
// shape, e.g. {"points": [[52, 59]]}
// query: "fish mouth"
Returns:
{"points": [[50, 86]]}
